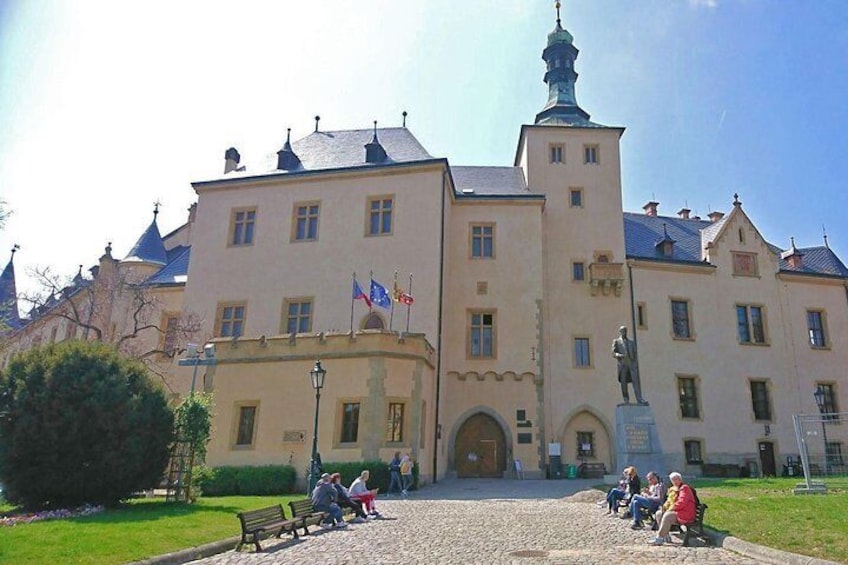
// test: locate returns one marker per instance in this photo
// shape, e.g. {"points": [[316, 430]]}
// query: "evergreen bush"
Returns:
{"points": [[80, 424]]}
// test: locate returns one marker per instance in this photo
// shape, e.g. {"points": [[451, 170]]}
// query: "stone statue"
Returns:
{"points": [[624, 350]]}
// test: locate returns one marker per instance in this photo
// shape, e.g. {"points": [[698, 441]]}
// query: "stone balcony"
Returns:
{"points": [[606, 277]]}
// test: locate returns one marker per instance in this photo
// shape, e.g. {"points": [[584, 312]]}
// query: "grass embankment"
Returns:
{"points": [[136, 530], [765, 511]]}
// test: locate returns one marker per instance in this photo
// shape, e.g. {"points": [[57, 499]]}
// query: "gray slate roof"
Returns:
{"points": [[641, 234], [149, 247], [176, 271], [489, 181]]}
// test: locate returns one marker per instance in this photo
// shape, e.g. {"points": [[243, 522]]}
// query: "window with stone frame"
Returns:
{"points": [[305, 221], [694, 449], [297, 315], [394, 422], [380, 213], [760, 401], [230, 318], [687, 389], [815, 328], [350, 422], [681, 323], [246, 425], [242, 226], [483, 241], [582, 353], [481, 334], [750, 324]]}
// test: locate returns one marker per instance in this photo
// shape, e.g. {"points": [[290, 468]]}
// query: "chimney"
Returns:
{"points": [[231, 160], [793, 256], [192, 212], [684, 213], [374, 152], [651, 208], [715, 216]]}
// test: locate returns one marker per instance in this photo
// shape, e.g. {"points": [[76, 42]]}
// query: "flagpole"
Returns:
{"points": [[409, 306], [352, 300], [392, 311], [370, 286]]}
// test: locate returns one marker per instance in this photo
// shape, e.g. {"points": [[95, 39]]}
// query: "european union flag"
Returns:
{"points": [[379, 295]]}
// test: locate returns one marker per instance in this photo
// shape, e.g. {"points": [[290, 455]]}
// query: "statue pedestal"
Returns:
{"points": [[636, 439]]}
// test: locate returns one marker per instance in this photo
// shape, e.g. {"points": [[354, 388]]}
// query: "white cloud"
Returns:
{"points": [[703, 3]]}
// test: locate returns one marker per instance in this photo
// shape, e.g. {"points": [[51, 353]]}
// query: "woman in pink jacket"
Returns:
{"points": [[683, 511]]}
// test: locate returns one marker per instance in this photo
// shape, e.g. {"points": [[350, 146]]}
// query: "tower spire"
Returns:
{"points": [[559, 55]]}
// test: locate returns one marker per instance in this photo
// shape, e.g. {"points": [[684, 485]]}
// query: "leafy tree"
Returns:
{"points": [[80, 424]]}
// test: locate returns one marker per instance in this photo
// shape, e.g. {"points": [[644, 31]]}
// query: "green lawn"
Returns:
{"points": [[765, 511], [758, 510], [141, 528]]}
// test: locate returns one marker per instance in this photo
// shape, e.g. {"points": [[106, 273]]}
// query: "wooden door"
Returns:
{"points": [[480, 448], [767, 459]]}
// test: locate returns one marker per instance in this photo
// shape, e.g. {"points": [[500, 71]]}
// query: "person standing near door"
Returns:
{"points": [[394, 474]]}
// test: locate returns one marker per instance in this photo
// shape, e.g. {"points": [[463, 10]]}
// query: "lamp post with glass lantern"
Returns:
{"points": [[820, 402], [317, 374]]}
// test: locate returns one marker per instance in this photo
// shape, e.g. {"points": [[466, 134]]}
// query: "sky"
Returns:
{"points": [[107, 107]]}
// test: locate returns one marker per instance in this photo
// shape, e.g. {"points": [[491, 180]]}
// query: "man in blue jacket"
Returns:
{"points": [[324, 500]]}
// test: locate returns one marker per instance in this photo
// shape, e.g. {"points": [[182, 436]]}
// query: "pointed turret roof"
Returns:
{"points": [[149, 247], [9, 317]]}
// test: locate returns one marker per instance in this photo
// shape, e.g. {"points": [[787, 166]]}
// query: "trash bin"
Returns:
{"points": [[571, 471], [556, 467]]}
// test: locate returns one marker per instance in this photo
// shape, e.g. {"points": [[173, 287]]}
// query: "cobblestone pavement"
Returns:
{"points": [[484, 521]]}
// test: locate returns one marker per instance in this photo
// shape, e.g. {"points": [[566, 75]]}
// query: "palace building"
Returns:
{"points": [[519, 277]]}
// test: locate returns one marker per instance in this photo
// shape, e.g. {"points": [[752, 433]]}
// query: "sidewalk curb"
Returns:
{"points": [[192, 553], [767, 554]]}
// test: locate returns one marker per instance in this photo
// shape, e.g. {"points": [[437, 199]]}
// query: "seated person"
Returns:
{"points": [[650, 499], [615, 495], [359, 491], [344, 499], [324, 498], [681, 512]]}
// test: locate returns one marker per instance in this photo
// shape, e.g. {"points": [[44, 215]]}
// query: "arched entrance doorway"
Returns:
{"points": [[480, 448], [585, 439]]}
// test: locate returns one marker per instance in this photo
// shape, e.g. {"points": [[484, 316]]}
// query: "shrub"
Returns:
{"points": [[81, 425], [228, 481]]}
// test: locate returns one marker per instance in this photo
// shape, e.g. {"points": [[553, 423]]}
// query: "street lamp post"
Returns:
{"points": [[820, 402], [317, 374]]}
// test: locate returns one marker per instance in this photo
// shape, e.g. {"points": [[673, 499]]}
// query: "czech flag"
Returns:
{"points": [[358, 293]]}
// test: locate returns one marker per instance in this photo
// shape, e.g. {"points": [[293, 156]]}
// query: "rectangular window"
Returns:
{"points": [[380, 215], [581, 352], [170, 327], [246, 425], [524, 437], [641, 316], [585, 444], [590, 154], [680, 323], [306, 221], [394, 423], [749, 320], [760, 400], [557, 154], [578, 271], [575, 197], [482, 334], [297, 315], [833, 450], [815, 328], [230, 319], [829, 407], [482, 241], [687, 388], [242, 226], [694, 451], [350, 422], [745, 264]]}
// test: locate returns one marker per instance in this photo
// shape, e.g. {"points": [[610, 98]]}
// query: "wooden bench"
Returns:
{"points": [[254, 523], [592, 470], [303, 510], [695, 528]]}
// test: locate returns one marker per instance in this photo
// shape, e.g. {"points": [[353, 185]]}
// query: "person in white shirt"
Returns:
{"points": [[359, 491]]}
